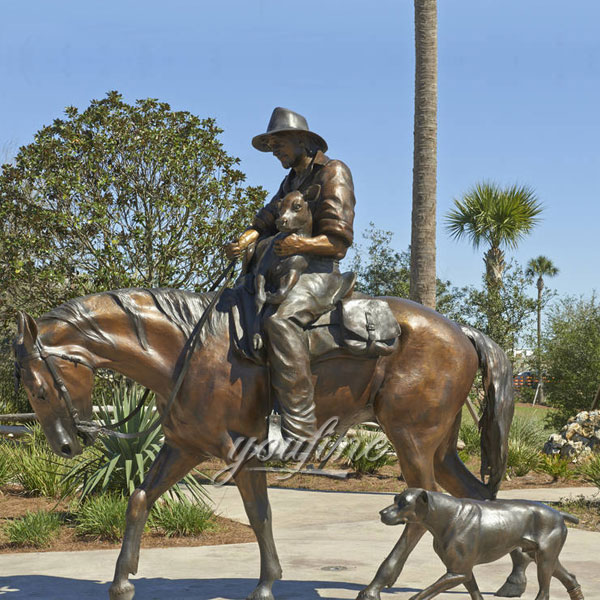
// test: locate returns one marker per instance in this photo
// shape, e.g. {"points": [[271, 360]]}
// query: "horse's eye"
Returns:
{"points": [[296, 207]]}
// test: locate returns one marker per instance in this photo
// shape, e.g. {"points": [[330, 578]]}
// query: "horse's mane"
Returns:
{"points": [[180, 307]]}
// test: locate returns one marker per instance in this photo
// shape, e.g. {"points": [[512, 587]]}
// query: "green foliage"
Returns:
{"points": [[522, 458], [589, 470], [492, 215], [368, 452], [571, 354], [102, 517], [8, 465], [119, 465], [34, 529], [529, 431], [117, 195], [555, 466], [39, 470], [469, 434], [382, 271], [505, 312], [178, 518]]}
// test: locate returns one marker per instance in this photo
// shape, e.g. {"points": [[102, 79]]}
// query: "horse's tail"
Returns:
{"points": [[499, 407]]}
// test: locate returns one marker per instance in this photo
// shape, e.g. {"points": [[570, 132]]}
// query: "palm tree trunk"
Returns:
{"points": [[422, 259], [540, 287]]}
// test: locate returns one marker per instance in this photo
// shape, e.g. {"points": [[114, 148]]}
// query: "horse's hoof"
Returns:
{"points": [[367, 594], [121, 591], [512, 589], [262, 592]]}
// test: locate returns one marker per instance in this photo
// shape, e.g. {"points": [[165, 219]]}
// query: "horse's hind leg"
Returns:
{"points": [[416, 462], [167, 469], [253, 489]]}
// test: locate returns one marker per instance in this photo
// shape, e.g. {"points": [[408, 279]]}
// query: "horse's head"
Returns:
{"points": [[58, 381]]}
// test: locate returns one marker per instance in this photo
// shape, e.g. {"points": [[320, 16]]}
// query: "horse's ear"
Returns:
{"points": [[312, 193], [27, 329]]}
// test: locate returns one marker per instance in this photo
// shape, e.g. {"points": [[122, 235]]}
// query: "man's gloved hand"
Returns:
{"points": [[235, 249]]}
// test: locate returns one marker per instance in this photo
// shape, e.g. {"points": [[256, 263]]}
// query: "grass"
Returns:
{"points": [[177, 518], [555, 466], [522, 458], [34, 529], [102, 517], [37, 468], [589, 470], [368, 452], [7, 463]]}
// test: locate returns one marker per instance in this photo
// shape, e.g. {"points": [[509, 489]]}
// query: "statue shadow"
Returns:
{"points": [[63, 588]]}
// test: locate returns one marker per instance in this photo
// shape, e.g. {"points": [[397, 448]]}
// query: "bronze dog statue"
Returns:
{"points": [[471, 532], [281, 273]]}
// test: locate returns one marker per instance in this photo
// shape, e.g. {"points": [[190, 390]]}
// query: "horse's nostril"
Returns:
{"points": [[66, 449]]}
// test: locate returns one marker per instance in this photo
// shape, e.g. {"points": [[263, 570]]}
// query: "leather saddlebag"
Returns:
{"points": [[368, 327]]}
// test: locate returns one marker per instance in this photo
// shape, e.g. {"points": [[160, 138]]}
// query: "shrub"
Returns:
{"points": [[39, 470], [7, 463], [34, 529], [119, 465], [102, 517], [555, 466], [469, 434], [528, 431], [181, 518], [589, 470], [368, 451], [522, 458]]}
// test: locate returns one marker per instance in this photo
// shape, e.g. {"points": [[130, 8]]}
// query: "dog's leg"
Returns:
{"points": [[516, 583], [445, 582], [473, 588], [569, 581]]}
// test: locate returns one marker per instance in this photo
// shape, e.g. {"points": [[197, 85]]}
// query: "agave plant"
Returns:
{"points": [[117, 464]]}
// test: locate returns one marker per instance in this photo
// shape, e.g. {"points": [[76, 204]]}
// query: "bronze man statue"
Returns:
{"points": [[301, 151]]}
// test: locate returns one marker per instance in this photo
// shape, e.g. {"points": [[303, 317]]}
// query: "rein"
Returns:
{"points": [[91, 428]]}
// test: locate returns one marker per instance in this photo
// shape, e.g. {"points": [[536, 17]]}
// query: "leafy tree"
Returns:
{"points": [[118, 195], [502, 313], [423, 282], [571, 352], [382, 271], [540, 267], [498, 217]]}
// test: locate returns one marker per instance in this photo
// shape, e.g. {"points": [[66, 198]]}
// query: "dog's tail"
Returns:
{"points": [[568, 517], [499, 407]]}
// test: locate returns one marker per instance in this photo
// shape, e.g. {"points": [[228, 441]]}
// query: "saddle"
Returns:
{"points": [[358, 325]]}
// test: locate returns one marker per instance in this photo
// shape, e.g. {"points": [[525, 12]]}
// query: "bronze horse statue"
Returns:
{"points": [[416, 394]]}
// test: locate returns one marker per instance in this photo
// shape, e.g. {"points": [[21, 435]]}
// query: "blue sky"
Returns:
{"points": [[519, 91]]}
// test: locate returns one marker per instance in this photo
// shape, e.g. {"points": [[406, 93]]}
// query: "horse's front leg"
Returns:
{"points": [[167, 469], [253, 489]]}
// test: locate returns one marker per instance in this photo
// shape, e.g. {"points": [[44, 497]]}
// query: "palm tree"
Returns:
{"points": [[496, 216], [542, 267], [422, 259]]}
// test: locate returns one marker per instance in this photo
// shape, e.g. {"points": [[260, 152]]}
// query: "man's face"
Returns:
{"points": [[287, 149]]}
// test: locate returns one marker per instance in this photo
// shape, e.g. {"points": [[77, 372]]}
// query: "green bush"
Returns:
{"points": [[589, 470], [7, 463], [38, 469], [34, 529], [119, 465], [469, 434], [178, 518], [522, 458], [555, 466], [102, 517], [368, 452], [528, 431]]}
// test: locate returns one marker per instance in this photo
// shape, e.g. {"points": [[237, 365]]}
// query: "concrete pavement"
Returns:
{"points": [[330, 545]]}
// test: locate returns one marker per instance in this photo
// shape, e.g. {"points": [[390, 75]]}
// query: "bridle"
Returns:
{"points": [[90, 429], [82, 427]]}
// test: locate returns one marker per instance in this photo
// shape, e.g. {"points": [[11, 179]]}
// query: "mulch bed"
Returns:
{"points": [[14, 504]]}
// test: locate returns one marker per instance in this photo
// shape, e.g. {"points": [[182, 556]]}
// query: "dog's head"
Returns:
{"points": [[411, 506], [294, 210]]}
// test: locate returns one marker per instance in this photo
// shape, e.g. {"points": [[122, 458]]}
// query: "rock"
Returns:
{"points": [[578, 438]]}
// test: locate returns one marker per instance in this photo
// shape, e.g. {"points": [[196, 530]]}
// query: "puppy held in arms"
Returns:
{"points": [[275, 275], [471, 532]]}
